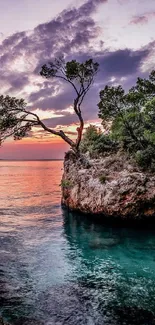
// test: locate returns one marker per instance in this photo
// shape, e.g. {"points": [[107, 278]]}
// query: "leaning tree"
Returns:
{"points": [[17, 121]]}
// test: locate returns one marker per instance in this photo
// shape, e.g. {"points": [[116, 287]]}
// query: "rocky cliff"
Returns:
{"points": [[112, 186]]}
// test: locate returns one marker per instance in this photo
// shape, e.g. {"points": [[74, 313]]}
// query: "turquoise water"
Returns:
{"points": [[62, 268]]}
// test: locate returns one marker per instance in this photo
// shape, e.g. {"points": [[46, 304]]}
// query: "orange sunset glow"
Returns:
{"points": [[77, 162], [118, 35]]}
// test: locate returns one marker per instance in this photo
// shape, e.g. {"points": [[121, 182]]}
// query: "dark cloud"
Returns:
{"points": [[47, 90], [18, 81], [122, 62], [13, 40], [71, 31], [64, 120], [46, 98], [71, 34]]}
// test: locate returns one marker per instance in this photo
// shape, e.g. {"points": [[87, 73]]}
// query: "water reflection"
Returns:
{"points": [[115, 269], [61, 268]]}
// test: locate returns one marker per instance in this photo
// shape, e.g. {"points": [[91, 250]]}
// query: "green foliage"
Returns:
{"points": [[95, 142], [17, 122], [65, 183], [81, 77], [13, 118], [111, 102], [72, 71], [132, 118], [103, 179], [90, 137], [146, 158]]}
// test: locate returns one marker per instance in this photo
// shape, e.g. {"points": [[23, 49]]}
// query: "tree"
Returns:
{"points": [[17, 121], [132, 117], [96, 142], [80, 76], [122, 110], [91, 135]]}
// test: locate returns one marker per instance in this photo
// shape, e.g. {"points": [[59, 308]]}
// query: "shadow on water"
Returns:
{"points": [[116, 278], [80, 272]]}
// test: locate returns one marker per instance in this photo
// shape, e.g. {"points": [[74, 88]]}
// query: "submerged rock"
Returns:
{"points": [[110, 186], [103, 243]]}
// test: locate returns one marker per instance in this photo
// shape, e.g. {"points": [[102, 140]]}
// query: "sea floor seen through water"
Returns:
{"points": [[62, 268]]}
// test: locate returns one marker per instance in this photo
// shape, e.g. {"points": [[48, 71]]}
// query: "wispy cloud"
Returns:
{"points": [[142, 19]]}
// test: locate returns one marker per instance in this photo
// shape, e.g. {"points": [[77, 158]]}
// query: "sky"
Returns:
{"points": [[118, 34]]}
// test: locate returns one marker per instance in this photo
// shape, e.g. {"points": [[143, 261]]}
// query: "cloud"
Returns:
{"points": [[47, 90], [75, 34], [122, 62], [64, 120], [142, 19], [139, 20], [25, 52]]}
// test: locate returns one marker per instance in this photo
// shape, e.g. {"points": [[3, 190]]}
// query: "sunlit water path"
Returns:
{"points": [[59, 268]]}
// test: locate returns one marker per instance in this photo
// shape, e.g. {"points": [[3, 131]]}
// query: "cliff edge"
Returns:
{"points": [[112, 186]]}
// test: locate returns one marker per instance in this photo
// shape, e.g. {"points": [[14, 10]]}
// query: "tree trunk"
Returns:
{"points": [[79, 130]]}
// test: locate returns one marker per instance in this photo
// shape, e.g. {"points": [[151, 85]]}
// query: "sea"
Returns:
{"points": [[63, 268]]}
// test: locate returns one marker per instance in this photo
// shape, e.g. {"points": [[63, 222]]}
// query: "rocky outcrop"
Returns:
{"points": [[110, 186]]}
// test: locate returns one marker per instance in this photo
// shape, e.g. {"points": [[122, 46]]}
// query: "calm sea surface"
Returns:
{"points": [[63, 269]]}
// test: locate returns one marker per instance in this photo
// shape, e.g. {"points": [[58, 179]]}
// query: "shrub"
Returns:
{"points": [[146, 158], [91, 135], [103, 179], [95, 142], [105, 144], [65, 183]]}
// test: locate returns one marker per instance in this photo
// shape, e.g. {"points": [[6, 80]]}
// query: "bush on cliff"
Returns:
{"points": [[95, 142], [131, 117]]}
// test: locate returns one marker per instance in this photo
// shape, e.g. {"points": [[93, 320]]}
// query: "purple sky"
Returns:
{"points": [[119, 34]]}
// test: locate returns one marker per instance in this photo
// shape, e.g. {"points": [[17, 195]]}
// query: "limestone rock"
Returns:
{"points": [[110, 186]]}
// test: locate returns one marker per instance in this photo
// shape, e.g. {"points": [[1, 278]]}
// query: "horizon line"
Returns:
{"points": [[48, 159]]}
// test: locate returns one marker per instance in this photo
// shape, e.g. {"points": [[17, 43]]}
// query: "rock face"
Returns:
{"points": [[111, 186]]}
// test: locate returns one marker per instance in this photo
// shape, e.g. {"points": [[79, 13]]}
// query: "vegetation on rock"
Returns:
{"points": [[102, 178], [129, 121], [66, 183], [113, 186], [128, 118], [96, 142], [132, 117]]}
